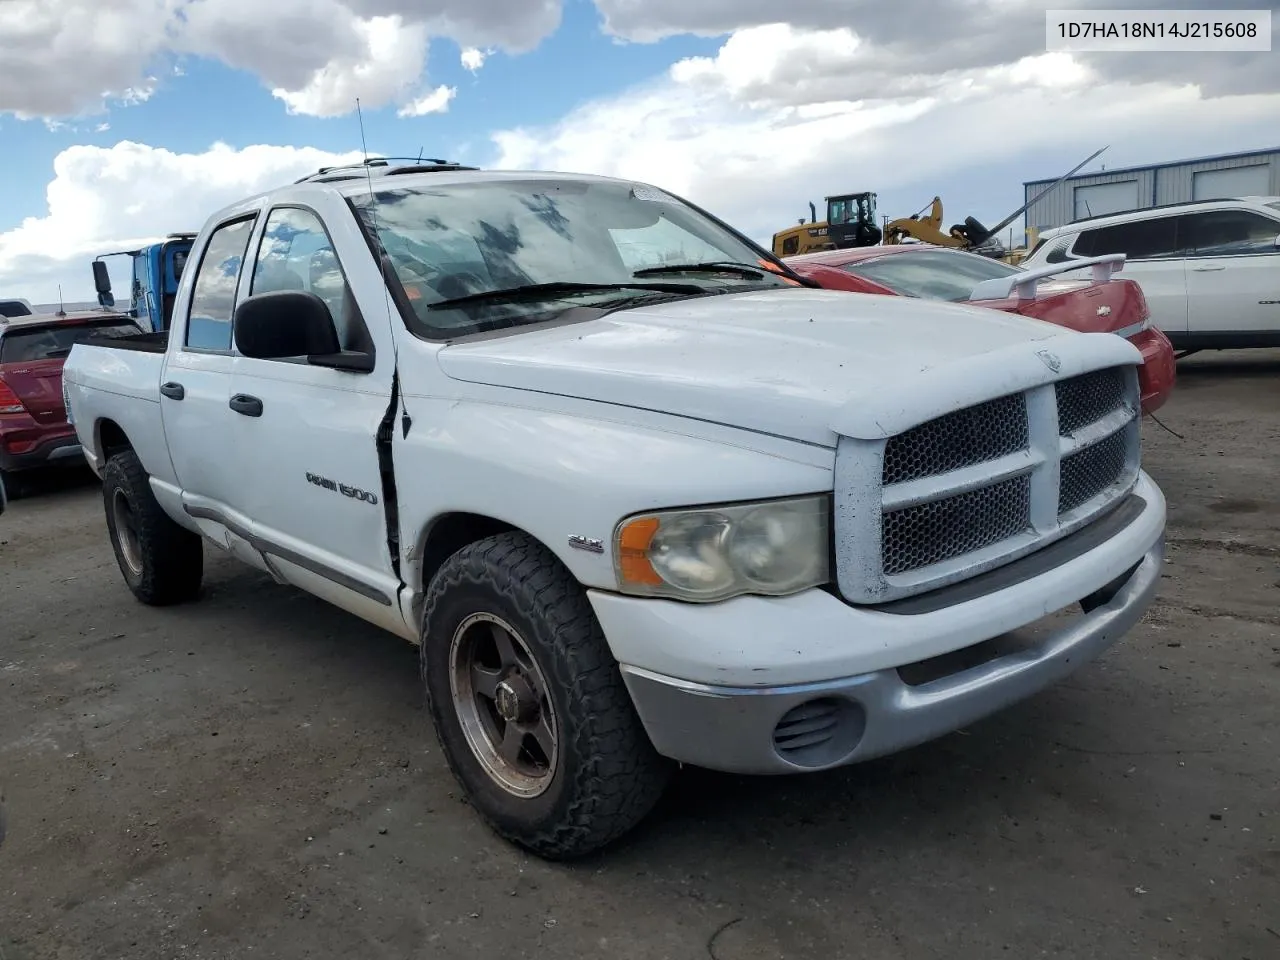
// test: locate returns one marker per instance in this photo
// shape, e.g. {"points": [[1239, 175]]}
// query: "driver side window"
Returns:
{"points": [[295, 254]]}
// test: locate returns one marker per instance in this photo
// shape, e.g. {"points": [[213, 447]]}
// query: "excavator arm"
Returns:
{"points": [[925, 229]]}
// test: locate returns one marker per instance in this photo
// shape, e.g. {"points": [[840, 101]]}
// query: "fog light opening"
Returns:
{"points": [[820, 732]]}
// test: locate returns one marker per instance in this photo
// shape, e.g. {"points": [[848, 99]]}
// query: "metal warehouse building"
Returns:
{"points": [[1252, 174]]}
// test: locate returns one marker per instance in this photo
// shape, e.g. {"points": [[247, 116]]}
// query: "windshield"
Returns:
{"points": [[14, 308], [455, 240], [25, 344], [932, 275]]}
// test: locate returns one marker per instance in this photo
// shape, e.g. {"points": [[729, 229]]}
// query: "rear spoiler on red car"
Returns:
{"points": [[1023, 284]]}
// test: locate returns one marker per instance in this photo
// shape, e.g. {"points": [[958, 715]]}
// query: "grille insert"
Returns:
{"points": [[1089, 472], [973, 435], [930, 533], [1088, 398]]}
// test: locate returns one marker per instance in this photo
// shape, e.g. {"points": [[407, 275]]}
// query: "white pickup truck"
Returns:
{"points": [[642, 496]]}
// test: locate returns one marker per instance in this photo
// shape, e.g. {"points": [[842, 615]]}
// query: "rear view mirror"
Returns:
{"points": [[102, 283], [283, 324]]}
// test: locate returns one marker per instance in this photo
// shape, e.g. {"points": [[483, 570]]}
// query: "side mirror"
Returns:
{"points": [[102, 283], [285, 323]]}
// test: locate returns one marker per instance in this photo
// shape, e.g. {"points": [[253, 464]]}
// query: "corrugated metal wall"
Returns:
{"points": [[1155, 185]]}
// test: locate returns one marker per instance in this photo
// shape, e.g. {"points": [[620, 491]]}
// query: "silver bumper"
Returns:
{"points": [[815, 726]]}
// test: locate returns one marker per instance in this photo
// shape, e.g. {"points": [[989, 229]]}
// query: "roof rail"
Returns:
{"points": [[381, 166]]}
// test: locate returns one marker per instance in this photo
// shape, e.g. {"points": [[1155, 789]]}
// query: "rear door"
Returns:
{"points": [[1233, 272], [306, 437], [196, 385], [1154, 250]]}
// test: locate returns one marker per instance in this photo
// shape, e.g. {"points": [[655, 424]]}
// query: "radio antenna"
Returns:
{"points": [[364, 146]]}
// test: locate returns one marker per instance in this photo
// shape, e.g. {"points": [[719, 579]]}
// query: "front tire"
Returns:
{"points": [[528, 702], [162, 562]]}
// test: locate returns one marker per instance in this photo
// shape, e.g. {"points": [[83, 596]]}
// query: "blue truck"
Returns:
{"points": [[154, 272]]}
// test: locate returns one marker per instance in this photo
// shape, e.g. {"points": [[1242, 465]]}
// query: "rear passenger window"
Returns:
{"points": [[1137, 240], [213, 300], [1231, 233]]}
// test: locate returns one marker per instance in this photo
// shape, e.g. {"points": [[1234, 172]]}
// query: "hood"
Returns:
{"points": [[800, 363]]}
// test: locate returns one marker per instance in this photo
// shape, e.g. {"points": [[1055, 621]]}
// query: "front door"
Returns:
{"points": [[306, 436], [1233, 272]]}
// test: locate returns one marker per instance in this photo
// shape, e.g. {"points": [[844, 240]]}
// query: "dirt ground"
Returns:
{"points": [[254, 776]]}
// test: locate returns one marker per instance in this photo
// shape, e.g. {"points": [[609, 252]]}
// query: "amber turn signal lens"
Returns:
{"points": [[633, 551]]}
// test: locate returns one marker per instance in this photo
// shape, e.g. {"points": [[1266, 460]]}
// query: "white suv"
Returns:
{"points": [[1210, 269]]}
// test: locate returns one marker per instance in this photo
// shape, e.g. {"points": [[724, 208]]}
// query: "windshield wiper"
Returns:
{"points": [[745, 270], [549, 291]]}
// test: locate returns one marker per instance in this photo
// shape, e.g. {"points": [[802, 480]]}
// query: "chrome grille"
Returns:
{"points": [[1091, 471], [975, 488], [940, 530], [1088, 398], [959, 439]]}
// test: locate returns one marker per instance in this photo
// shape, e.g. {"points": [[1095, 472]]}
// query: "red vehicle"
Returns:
{"points": [[33, 420], [937, 273]]}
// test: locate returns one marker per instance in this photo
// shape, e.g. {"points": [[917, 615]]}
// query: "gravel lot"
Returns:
{"points": [[254, 776]]}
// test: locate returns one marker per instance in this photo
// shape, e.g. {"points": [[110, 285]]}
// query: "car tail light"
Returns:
{"points": [[9, 401]]}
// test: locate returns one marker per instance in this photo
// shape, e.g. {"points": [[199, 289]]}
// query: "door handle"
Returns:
{"points": [[1207, 269], [174, 391], [249, 406]]}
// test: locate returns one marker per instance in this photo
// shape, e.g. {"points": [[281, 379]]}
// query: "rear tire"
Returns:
{"points": [[512, 657], [162, 562]]}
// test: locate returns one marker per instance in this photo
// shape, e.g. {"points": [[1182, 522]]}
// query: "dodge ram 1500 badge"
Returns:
{"points": [[641, 497]]}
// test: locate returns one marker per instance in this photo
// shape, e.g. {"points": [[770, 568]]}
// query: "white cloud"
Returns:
{"points": [[437, 101], [65, 58], [104, 199], [391, 59]]}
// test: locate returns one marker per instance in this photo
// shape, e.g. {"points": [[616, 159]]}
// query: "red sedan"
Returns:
{"points": [[33, 421], [937, 273]]}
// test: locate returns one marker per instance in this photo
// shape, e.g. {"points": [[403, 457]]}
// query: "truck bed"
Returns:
{"points": [[117, 380]]}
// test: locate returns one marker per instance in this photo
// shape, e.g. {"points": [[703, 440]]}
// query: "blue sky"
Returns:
{"points": [[747, 114]]}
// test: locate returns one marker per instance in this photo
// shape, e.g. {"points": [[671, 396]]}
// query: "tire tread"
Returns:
{"points": [[619, 777]]}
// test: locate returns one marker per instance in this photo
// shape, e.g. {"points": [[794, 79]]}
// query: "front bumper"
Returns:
{"points": [[790, 727]]}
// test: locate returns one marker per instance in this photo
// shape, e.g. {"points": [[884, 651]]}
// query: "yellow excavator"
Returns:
{"points": [[850, 222], [971, 234]]}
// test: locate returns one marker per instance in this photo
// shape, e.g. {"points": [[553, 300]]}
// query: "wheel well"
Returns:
{"points": [[111, 440], [450, 533]]}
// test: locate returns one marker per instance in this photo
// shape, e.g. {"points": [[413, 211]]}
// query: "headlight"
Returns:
{"points": [[772, 548]]}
